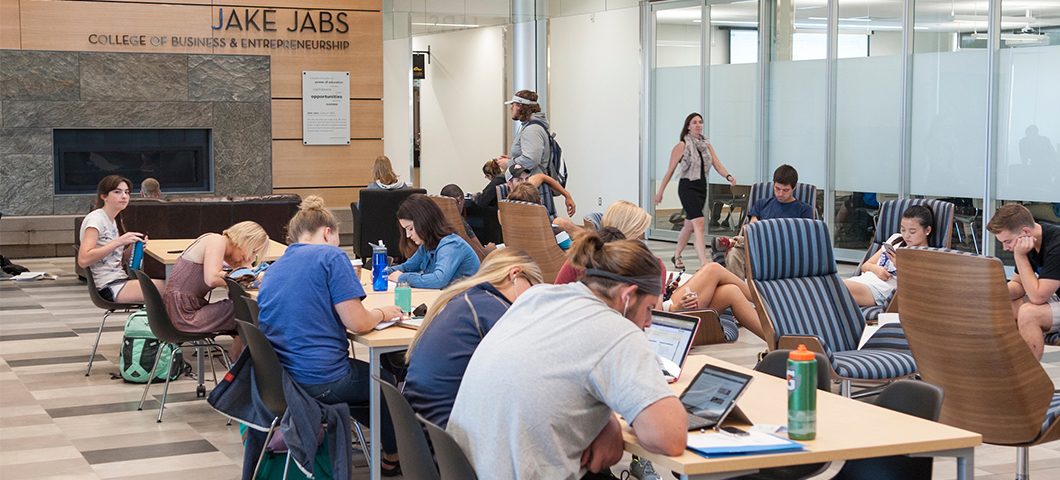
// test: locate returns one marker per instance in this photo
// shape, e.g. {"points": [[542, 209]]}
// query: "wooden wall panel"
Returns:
{"points": [[366, 119], [67, 25], [298, 166], [333, 197], [373, 5], [10, 35]]}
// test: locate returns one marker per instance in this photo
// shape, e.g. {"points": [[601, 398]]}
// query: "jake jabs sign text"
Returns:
{"points": [[326, 108]]}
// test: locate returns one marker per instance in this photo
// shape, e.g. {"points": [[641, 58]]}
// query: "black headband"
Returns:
{"points": [[647, 284]]}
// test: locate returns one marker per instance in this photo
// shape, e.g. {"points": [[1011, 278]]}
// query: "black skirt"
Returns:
{"points": [[693, 195]]}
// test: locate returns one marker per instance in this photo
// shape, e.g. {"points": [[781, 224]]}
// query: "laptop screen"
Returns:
{"points": [[713, 392], [671, 335]]}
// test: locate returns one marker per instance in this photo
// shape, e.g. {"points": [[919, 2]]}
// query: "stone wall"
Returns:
{"points": [[42, 90]]}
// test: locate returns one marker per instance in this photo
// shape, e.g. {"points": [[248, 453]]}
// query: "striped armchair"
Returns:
{"points": [[890, 223], [801, 299], [761, 191]]}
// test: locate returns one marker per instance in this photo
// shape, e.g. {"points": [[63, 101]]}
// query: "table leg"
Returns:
{"points": [[374, 414], [965, 460]]}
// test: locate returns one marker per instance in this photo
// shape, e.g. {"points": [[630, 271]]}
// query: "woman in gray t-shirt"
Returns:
{"points": [[102, 243]]}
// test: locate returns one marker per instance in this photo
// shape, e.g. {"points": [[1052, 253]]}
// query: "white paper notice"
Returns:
{"points": [[326, 108]]}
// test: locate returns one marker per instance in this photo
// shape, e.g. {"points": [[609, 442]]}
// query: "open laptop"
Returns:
{"points": [[712, 396], [671, 336]]}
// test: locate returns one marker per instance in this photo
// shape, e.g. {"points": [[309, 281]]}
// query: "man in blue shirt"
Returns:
{"points": [[783, 204]]}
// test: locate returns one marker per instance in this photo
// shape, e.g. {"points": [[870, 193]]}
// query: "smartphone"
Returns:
{"points": [[889, 249], [733, 431]]}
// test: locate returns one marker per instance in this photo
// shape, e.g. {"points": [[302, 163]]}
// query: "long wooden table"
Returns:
{"points": [[846, 429], [167, 251]]}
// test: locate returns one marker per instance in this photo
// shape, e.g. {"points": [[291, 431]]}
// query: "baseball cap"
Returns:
{"points": [[515, 170]]}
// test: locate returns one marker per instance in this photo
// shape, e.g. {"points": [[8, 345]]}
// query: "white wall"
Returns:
{"points": [[595, 89], [397, 88], [462, 111]]}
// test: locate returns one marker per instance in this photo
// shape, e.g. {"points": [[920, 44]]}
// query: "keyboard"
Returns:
{"points": [[696, 423]]}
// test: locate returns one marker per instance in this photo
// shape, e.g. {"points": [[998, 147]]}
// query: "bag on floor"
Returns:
{"points": [[272, 464], [139, 349], [735, 258]]}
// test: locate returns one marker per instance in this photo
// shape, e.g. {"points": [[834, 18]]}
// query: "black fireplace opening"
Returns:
{"points": [[180, 159]]}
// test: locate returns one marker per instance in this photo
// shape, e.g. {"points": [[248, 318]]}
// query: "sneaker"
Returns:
{"points": [[642, 469]]}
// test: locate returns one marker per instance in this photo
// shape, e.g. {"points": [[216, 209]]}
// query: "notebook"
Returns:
{"points": [[712, 395], [671, 336]]}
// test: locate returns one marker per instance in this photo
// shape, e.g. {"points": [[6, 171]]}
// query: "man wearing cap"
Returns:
{"points": [[539, 395], [530, 146]]}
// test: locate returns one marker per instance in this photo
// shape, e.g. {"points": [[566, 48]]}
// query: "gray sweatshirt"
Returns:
{"points": [[530, 147]]}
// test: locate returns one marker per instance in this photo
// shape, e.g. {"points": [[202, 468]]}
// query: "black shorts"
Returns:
{"points": [[693, 195]]}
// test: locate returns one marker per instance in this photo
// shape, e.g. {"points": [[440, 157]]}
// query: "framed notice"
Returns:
{"points": [[325, 108]]}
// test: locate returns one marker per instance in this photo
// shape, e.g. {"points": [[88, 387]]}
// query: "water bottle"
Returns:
{"points": [[802, 394], [137, 255], [403, 296], [379, 264]]}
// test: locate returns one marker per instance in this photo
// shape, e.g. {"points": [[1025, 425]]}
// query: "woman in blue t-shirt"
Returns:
{"points": [[455, 325], [309, 298], [441, 256]]}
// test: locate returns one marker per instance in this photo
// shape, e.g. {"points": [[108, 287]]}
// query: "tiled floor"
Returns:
{"points": [[57, 423]]}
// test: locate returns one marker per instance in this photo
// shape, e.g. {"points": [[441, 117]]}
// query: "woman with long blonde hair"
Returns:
{"points": [[455, 325]]}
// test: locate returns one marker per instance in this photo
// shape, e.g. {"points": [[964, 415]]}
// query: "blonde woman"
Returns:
{"points": [[383, 176], [627, 218], [456, 324], [200, 269]]}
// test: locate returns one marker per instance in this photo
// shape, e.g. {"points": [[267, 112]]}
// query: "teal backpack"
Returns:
{"points": [[138, 351]]}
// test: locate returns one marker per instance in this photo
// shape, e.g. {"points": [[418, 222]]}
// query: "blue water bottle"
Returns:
{"points": [[137, 256], [379, 264]]}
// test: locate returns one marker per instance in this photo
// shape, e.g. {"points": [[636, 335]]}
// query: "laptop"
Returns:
{"points": [[712, 397], [670, 335]]}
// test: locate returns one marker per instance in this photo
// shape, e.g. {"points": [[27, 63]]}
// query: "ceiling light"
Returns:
{"points": [[1016, 38]]}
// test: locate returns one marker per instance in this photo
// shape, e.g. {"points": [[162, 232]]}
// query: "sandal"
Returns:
{"points": [[394, 471], [678, 264]]}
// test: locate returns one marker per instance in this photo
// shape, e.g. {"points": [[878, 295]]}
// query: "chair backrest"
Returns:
{"points": [[890, 223], [97, 299], [448, 206], [776, 364], [957, 317], [268, 373], [252, 308], [452, 462], [157, 317], [710, 331], [376, 219], [544, 190], [760, 191], [792, 274], [238, 295], [416, 460], [526, 226]]}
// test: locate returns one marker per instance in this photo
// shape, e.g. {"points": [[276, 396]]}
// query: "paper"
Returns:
{"points": [[30, 276], [719, 444]]}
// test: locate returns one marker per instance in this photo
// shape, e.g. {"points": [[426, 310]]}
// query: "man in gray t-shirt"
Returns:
{"points": [[538, 395]]}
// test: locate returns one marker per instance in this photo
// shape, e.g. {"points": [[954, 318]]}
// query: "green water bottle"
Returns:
{"points": [[403, 296], [802, 394]]}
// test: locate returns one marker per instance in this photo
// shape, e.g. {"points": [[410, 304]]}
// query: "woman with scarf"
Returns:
{"points": [[693, 156]]}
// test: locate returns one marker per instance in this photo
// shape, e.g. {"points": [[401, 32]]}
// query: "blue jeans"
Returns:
{"points": [[353, 389]]}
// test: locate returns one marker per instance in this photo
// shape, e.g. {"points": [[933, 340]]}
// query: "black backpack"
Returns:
{"points": [[557, 168]]}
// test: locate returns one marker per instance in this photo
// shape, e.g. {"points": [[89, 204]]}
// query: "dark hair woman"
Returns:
{"points": [[440, 257]]}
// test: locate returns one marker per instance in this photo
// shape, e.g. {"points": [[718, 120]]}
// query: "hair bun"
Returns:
{"points": [[311, 202]]}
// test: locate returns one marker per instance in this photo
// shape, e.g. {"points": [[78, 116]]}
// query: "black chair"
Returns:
{"points": [[375, 219], [110, 307], [776, 364], [166, 333], [417, 463], [238, 295], [912, 397], [268, 377], [252, 307], [452, 463]]}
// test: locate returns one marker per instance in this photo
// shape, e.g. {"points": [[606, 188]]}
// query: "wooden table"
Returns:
{"points": [[846, 429], [379, 343], [167, 251]]}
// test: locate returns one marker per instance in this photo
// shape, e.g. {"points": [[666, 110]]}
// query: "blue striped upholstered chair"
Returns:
{"points": [[890, 223], [760, 191], [956, 311], [801, 299]]}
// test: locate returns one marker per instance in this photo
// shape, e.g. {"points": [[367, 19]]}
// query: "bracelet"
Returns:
{"points": [[728, 176]]}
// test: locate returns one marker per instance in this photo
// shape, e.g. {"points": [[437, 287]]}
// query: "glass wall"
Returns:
{"points": [[891, 99]]}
